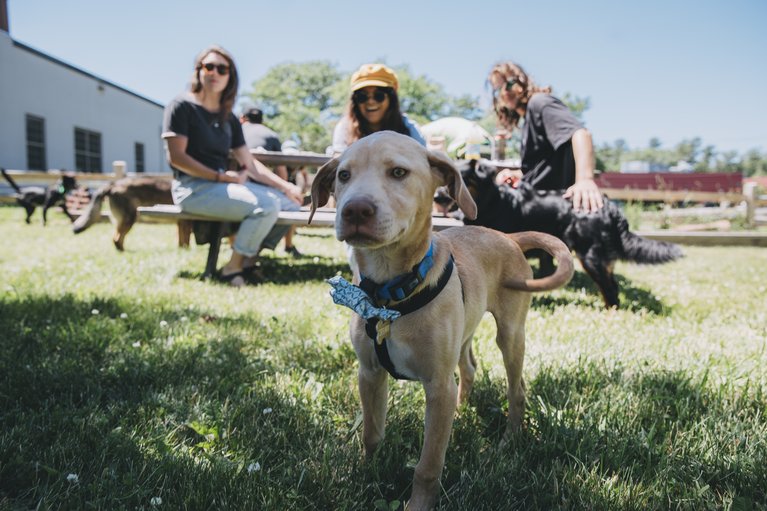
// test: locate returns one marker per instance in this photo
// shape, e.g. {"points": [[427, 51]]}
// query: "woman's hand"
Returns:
{"points": [[235, 177], [508, 177], [586, 196], [294, 193]]}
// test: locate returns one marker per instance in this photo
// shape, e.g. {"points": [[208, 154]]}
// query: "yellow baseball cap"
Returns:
{"points": [[377, 75]]}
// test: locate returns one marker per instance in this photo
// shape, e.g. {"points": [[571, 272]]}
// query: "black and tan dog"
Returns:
{"points": [[125, 196], [30, 197], [598, 239]]}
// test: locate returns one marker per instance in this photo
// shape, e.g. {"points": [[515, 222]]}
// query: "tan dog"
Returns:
{"points": [[383, 186], [125, 196]]}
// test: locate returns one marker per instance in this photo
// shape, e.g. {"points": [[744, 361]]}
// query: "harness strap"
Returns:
{"points": [[413, 304]]}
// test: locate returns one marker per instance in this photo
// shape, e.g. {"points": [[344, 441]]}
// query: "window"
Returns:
{"points": [[87, 151], [139, 157], [36, 143]]}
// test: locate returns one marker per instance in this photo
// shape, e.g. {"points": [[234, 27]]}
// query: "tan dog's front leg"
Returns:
{"points": [[373, 395], [441, 400]]}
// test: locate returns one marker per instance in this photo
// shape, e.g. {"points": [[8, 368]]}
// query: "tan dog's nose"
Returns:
{"points": [[358, 211]]}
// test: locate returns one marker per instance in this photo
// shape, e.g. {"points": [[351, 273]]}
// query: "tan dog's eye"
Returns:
{"points": [[398, 172], [343, 175]]}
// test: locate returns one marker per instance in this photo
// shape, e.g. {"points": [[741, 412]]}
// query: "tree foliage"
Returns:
{"points": [[303, 101], [294, 98], [702, 158]]}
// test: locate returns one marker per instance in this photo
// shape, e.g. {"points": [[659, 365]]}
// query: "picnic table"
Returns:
{"points": [[323, 217]]}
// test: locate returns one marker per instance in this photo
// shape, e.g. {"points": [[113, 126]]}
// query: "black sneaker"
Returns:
{"points": [[293, 252]]}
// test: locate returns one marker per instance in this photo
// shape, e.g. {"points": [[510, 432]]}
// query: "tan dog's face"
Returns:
{"points": [[383, 185]]}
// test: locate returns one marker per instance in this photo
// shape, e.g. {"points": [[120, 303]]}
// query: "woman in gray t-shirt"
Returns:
{"points": [[200, 130], [557, 152]]}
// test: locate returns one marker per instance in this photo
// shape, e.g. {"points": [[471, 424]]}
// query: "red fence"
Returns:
{"points": [[694, 182]]}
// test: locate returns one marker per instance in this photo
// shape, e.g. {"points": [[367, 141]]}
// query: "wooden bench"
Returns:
{"points": [[323, 217]]}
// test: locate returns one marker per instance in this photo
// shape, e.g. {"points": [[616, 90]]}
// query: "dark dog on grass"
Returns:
{"points": [[598, 239], [125, 196], [30, 197]]}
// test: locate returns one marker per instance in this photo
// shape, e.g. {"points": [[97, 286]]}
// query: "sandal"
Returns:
{"points": [[292, 251], [253, 275], [220, 277]]}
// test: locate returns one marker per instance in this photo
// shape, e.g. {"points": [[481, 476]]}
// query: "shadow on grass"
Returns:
{"points": [[633, 299], [283, 270], [140, 402], [181, 415]]}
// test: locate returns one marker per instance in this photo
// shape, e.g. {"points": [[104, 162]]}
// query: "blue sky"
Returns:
{"points": [[671, 69]]}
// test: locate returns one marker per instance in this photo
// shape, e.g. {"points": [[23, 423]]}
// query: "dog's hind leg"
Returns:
{"points": [[121, 230], [125, 216], [602, 274], [511, 341], [29, 208], [467, 366]]}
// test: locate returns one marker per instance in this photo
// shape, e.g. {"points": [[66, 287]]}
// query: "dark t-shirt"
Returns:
{"points": [[547, 149], [209, 139], [258, 135]]}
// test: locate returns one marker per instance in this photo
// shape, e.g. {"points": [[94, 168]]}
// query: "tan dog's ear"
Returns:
{"points": [[452, 179], [322, 186]]}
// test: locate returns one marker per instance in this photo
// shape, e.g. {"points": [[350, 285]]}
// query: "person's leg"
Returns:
{"points": [[253, 206], [278, 231]]}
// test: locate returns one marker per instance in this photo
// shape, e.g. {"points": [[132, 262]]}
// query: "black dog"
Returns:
{"points": [[30, 197], [598, 239]]}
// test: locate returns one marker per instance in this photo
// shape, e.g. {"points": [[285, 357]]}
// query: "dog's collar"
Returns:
{"points": [[401, 286], [371, 303]]}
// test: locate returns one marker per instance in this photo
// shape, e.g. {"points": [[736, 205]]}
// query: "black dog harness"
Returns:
{"points": [[401, 289]]}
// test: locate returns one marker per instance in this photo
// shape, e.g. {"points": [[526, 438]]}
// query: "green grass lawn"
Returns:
{"points": [[128, 383]]}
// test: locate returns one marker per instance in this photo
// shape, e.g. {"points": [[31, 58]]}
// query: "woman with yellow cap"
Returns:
{"points": [[373, 106]]}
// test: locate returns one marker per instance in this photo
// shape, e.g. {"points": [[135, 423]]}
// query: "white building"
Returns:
{"points": [[54, 115]]}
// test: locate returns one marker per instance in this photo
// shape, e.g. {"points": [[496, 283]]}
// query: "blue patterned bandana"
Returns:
{"points": [[347, 294]]}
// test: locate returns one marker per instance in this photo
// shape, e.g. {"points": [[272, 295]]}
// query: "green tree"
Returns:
{"points": [[609, 157], [294, 97], [754, 163], [424, 100], [305, 100], [576, 104]]}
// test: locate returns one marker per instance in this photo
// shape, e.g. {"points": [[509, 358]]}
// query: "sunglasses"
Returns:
{"points": [[361, 96], [222, 69], [505, 87]]}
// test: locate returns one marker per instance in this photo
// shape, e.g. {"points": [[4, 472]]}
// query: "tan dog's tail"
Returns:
{"points": [[553, 246], [93, 213]]}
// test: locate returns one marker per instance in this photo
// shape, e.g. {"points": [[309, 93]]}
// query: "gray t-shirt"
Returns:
{"points": [[547, 149], [209, 139], [258, 135]]}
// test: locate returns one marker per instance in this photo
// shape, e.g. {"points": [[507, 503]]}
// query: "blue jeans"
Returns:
{"points": [[254, 205], [278, 231]]}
